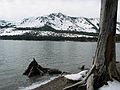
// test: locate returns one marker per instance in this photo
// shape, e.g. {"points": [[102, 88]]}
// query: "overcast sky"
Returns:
{"points": [[17, 9]]}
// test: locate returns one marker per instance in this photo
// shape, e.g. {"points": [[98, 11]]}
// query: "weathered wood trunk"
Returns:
{"points": [[104, 63], [34, 69], [105, 56]]}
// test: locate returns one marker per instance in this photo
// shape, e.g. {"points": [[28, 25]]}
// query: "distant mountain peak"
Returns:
{"points": [[60, 22]]}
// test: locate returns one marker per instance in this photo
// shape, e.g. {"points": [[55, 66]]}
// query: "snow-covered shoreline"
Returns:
{"points": [[64, 80], [37, 84]]}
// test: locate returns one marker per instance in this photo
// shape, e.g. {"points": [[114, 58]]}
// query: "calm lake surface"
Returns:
{"points": [[15, 56]]}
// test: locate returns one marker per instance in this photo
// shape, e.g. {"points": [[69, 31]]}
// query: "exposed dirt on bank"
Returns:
{"points": [[58, 84], [61, 82]]}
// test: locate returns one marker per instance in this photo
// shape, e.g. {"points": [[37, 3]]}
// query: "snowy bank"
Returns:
{"points": [[78, 76], [115, 85], [35, 85]]}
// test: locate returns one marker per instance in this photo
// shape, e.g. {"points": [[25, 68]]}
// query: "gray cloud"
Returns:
{"points": [[25, 8]]}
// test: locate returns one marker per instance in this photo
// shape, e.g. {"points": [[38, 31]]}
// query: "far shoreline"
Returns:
{"points": [[48, 38], [53, 40]]}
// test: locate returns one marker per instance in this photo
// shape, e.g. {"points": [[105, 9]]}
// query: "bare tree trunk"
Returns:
{"points": [[104, 64], [105, 56]]}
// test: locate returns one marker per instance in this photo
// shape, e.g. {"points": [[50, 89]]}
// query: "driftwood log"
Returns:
{"points": [[34, 69]]}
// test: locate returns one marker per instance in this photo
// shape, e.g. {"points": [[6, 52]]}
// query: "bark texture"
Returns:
{"points": [[105, 56]]}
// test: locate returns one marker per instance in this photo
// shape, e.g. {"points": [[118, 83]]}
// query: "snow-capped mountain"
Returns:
{"points": [[55, 24], [6, 24], [62, 22]]}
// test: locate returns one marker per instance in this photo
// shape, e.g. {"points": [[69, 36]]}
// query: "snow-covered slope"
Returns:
{"points": [[57, 21], [13, 31], [4, 25], [60, 21]]}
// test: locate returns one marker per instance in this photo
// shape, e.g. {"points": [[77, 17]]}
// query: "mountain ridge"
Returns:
{"points": [[55, 25]]}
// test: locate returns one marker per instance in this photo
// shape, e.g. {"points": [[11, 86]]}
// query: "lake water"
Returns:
{"points": [[15, 56]]}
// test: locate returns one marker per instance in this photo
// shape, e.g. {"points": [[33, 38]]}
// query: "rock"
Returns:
{"points": [[34, 69], [54, 71], [82, 68], [117, 62]]}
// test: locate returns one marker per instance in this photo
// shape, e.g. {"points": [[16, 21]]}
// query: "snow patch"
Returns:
{"points": [[115, 85], [78, 76], [13, 31]]}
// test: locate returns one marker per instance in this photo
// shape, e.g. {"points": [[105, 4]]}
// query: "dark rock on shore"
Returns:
{"points": [[34, 69]]}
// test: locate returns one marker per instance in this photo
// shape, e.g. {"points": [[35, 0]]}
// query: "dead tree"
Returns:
{"points": [[104, 63], [105, 56]]}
